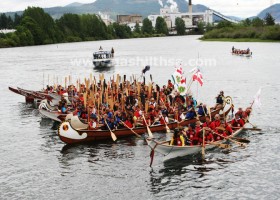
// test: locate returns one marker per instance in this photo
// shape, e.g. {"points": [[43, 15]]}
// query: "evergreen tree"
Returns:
{"points": [[247, 22], [269, 20], [3, 21], [137, 28], [147, 26], [161, 26], [180, 26], [257, 22]]}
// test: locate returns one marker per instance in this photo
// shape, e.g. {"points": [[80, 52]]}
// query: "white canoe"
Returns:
{"points": [[172, 151]]}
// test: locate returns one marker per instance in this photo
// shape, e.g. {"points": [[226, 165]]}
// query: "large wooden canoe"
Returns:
{"points": [[30, 96], [68, 134]]}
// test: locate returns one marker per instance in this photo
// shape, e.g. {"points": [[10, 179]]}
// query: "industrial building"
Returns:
{"points": [[190, 18]]}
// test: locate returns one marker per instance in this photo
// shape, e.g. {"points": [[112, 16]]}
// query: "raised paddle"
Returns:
{"points": [[112, 134], [148, 129], [130, 129]]}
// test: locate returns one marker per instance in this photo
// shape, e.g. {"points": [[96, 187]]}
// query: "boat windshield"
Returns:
{"points": [[102, 55]]}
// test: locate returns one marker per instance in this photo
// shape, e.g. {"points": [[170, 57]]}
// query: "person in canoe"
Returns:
{"points": [[219, 100], [237, 122], [178, 138]]}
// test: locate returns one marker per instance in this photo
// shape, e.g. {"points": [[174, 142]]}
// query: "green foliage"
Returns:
{"points": [[161, 26], [122, 31], [200, 27], [224, 24], [6, 22], [257, 22], [252, 32], [36, 31], [269, 20], [246, 22], [70, 25], [147, 27], [209, 27], [25, 36], [180, 26], [40, 24], [137, 28]]}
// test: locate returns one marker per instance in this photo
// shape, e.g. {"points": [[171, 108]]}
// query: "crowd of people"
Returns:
{"points": [[114, 106], [214, 130], [238, 51]]}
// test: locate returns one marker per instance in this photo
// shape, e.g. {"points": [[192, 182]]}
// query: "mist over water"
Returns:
{"points": [[35, 164]]}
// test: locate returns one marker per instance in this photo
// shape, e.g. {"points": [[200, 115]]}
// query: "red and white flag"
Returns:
{"points": [[197, 76]]}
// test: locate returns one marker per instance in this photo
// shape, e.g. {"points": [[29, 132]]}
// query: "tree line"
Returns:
{"points": [[256, 28], [35, 27]]}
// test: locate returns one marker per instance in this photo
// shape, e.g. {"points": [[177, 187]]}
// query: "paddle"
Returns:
{"points": [[203, 145], [230, 139], [253, 129], [244, 140], [148, 129], [130, 129], [224, 146], [254, 126], [112, 134]]}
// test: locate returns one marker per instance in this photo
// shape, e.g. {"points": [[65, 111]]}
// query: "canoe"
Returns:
{"points": [[172, 151], [30, 95], [54, 115], [70, 135], [243, 55]]}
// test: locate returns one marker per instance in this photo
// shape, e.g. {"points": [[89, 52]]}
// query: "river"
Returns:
{"points": [[35, 164]]}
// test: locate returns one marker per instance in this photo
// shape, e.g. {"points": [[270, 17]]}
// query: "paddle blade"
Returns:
{"points": [[114, 138], [167, 129], [149, 132], [223, 146]]}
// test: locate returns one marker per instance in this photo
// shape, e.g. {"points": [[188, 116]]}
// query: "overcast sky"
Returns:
{"points": [[239, 8]]}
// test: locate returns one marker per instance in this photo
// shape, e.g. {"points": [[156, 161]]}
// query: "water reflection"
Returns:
{"points": [[104, 69]]}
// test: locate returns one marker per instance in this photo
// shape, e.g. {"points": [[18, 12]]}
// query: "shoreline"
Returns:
{"points": [[237, 40]]}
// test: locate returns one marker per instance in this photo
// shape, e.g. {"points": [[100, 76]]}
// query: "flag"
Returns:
{"points": [[257, 99], [179, 80], [197, 76], [147, 68]]}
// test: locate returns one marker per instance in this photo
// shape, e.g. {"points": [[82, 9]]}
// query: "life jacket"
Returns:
{"points": [[128, 123]]}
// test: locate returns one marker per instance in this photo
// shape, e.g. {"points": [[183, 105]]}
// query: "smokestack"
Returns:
{"points": [[190, 6]]}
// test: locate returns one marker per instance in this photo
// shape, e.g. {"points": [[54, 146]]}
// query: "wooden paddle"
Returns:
{"points": [[203, 145], [253, 129], [223, 146], [244, 140], [167, 128], [112, 134], [148, 129], [230, 139], [130, 129]]}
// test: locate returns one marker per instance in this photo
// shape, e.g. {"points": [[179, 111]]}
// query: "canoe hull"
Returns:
{"points": [[96, 135], [171, 152]]}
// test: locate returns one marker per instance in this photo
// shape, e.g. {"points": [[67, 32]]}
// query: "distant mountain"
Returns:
{"points": [[274, 10], [75, 4], [115, 7]]}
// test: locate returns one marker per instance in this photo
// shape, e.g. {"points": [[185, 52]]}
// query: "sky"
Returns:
{"points": [[238, 8]]}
